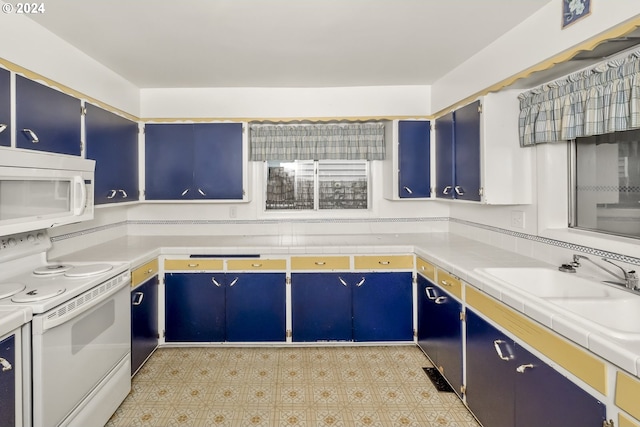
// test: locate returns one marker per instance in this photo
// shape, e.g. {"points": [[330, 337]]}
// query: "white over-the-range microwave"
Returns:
{"points": [[41, 190]]}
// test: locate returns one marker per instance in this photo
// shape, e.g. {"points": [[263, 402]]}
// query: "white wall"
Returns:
{"points": [[257, 103], [533, 41], [31, 46]]}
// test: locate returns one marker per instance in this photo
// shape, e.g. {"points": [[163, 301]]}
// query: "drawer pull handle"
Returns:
{"points": [[32, 135], [6, 366], [384, 262], [137, 298], [192, 265], [342, 281], [445, 283], [215, 282], [496, 345], [149, 271], [430, 293], [520, 369], [256, 265], [361, 282], [233, 282], [320, 263], [441, 300]]}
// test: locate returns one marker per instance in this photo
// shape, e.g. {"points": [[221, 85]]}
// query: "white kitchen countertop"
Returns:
{"points": [[451, 252]]}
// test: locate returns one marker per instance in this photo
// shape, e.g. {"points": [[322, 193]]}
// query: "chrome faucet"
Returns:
{"points": [[630, 278]]}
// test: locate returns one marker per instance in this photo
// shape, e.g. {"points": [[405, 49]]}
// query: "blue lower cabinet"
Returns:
{"points": [[256, 307], [440, 330], [144, 322], [195, 307], [321, 306], [219, 307], [352, 306], [382, 307], [8, 383], [507, 386]]}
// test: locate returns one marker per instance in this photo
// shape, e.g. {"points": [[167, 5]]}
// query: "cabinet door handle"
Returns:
{"points": [[6, 366], [215, 282], [342, 281], [520, 369], [496, 345], [459, 190], [407, 189], [233, 282], [361, 282], [112, 194], [430, 293], [184, 193], [124, 194], [202, 193], [441, 300], [137, 298], [446, 189], [2, 127], [32, 135], [149, 271], [445, 283]]}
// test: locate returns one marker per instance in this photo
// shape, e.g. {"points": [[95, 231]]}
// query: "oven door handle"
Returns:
{"points": [[43, 323]]}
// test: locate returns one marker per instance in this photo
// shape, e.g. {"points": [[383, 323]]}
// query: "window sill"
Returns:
{"points": [[602, 241]]}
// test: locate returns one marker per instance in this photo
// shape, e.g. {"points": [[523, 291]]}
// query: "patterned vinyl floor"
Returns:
{"points": [[279, 387]]}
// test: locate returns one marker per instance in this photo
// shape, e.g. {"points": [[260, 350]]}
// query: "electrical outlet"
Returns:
{"points": [[517, 219]]}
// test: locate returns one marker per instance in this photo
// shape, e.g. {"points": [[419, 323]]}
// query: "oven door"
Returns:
{"points": [[73, 353]]}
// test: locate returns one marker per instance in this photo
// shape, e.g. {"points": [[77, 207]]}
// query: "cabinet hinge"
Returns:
{"points": [[289, 333], [288, 280], [479, 108], [463, 316], [81, 146], [609, 423], [83, 110], [463, 389], [481, 191], [164, 333], [415, 333], [158, 336]]}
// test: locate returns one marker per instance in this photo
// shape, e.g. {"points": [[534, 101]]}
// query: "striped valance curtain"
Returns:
{"points": [[349, 141], [600, 100]]}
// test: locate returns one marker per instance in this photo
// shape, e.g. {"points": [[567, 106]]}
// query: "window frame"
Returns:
{"points": [[316, 192]]}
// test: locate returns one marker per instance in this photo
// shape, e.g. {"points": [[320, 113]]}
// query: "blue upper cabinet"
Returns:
{"points": [[445, 174], [112, 141], [194, 161], [414, 159], [467, 152], [458, 154], [407, 166], [46, 119], [5, 108]]}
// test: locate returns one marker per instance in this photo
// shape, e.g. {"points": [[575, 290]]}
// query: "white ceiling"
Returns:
{"points": [[282, 43]]}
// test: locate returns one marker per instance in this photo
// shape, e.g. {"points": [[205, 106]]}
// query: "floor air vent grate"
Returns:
{"points": [[438, 380]]}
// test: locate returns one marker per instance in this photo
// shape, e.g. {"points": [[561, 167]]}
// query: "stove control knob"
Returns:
{"points": [[40, 236], [31, 238], [12, 242]]}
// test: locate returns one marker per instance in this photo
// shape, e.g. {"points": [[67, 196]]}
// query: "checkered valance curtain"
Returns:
{"points": [[349, 141], [600, 100]]}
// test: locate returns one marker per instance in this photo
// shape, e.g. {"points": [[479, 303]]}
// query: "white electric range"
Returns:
{"points": [[80, 331]]}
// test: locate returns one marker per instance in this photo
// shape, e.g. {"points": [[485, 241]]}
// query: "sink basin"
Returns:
{"points": [[618, 317], [547, 283]]}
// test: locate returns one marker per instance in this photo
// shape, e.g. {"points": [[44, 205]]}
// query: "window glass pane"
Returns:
{"points": [[290, 185], [342, 184], [608, 183]]}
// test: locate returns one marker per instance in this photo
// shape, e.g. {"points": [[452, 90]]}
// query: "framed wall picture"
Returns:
{"points": [[574, 10]]}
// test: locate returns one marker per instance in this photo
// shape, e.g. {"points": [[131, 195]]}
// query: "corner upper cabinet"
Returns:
{"points": [[201, 161], [112, 141], [47, 119], [478, 156], [407, 167], [5, 108]]}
